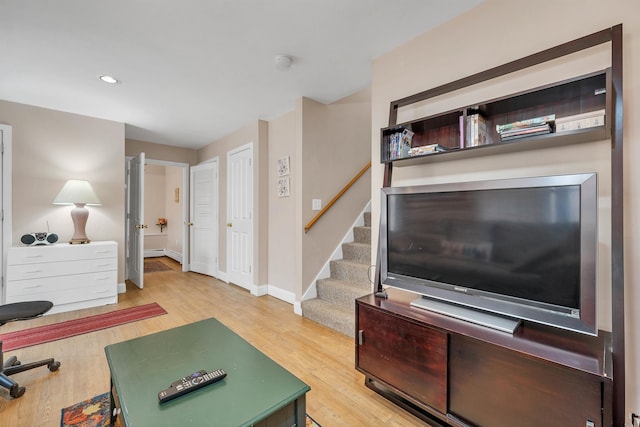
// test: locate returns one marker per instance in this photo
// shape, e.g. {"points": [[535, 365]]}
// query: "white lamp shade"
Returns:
{"points": [[76, 191]]}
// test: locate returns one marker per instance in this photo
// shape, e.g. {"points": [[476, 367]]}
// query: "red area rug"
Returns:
{"points": [[70, 328]]}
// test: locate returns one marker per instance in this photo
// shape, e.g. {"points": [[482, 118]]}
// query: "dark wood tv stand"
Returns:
{"points": [[453, 373]]}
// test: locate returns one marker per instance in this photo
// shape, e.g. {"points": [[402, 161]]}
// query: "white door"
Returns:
{"points": [[203, 222], [240, 216], [135, 221]]}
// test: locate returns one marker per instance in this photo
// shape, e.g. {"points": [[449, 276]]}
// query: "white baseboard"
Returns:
{"points": [[259, 290], [176, 256], [122, 288], [281, 294], [154, 253]]}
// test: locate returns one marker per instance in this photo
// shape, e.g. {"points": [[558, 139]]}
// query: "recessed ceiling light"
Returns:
{"points": [[109, 79]]}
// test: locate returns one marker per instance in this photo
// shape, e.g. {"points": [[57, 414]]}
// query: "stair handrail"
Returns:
{"points": [[336, 197]]}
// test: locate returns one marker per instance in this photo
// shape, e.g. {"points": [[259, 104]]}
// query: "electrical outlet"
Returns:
{"points": [[316, 204]]}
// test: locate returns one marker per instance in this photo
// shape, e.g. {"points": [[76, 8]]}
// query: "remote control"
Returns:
{"points": [[189, 383], [188, 378]]}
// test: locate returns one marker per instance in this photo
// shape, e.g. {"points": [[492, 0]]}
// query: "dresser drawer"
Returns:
{"points": [[63, 290], [62, 268], [61, 252]]}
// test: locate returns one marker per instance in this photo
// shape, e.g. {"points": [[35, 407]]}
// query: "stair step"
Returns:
{"points": [[362, 234], [332, 316], [351, 271], [359, 252], [341, 293]]}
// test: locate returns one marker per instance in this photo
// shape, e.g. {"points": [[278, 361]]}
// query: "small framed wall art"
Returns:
{"points": [[283, 166], [283, 187]]}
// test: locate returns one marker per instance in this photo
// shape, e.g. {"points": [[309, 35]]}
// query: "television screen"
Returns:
{"points": [[521, 247]]}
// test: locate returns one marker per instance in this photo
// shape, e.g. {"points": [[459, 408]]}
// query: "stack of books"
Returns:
{"points": [[580, 121], [525, 128], [426, 149]]}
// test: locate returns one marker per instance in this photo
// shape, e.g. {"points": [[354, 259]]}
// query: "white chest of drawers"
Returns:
{"points": [[70, 276]]}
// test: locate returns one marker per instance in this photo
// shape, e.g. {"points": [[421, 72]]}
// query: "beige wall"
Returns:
{"points": [[154, 206], [161, 152], [499, 31], [282, 210], [334, 147], [50, 147]]}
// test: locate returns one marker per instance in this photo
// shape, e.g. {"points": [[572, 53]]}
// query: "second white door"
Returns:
{"points": [[203, 223], [240, 216]]}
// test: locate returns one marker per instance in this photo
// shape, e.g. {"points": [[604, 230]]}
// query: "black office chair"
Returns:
{"points": [[10, 313]]}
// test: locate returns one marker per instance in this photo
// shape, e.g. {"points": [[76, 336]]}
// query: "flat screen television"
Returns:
{"points": [[524, 248]]}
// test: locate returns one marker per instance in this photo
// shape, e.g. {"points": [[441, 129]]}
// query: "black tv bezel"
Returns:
{"points": [[582, 320]]}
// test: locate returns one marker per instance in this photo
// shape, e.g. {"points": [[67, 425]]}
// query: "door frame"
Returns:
{"points": [[185, 207], [184, 199]]}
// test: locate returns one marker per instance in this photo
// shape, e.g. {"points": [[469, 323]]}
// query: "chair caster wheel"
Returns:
{"points": [[16, 391], [53, 366]]}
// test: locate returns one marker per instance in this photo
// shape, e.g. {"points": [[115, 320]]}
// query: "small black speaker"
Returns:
{"points": [[42, 238], [28, 239]]}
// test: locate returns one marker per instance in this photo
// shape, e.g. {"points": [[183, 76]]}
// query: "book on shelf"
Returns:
{"points": [[538, 130], [461, 130], [400, 144], [405, 142], [522, 124], [476, 130], [426, 149], [545, 128]]}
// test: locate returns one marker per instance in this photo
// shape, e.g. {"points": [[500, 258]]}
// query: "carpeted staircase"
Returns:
{"points": [[335, 305]]}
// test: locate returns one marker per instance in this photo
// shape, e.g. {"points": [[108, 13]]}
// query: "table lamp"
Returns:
{"points": [[79, 193]]}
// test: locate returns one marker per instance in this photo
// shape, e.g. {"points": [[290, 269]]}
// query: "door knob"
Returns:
{"points": [[189, 224], [229, 224]]}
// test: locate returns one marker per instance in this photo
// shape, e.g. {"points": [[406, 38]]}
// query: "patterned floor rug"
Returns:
{"points": [[94, 412], [83, 325]]}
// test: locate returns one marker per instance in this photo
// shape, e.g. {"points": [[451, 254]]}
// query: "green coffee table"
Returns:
{"points": [[256, 392]]}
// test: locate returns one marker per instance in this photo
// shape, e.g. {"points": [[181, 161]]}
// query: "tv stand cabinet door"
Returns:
{"points": [[404, 355], [492, 386]]}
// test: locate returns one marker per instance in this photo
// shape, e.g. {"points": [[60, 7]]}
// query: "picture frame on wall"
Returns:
{"points": [[283, 166], [283, 187]]}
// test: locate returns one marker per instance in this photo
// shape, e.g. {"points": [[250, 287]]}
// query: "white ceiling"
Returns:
{"points": [[192, 71]]}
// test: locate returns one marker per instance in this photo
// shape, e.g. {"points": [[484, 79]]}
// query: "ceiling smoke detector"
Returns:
{"points": [[283, 62]]}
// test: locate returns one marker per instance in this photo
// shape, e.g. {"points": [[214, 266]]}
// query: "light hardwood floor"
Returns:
{"points": [[320, 357]]}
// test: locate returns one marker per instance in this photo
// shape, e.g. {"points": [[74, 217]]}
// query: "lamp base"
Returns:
{"points": [[79, 215], [79, 241]]}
